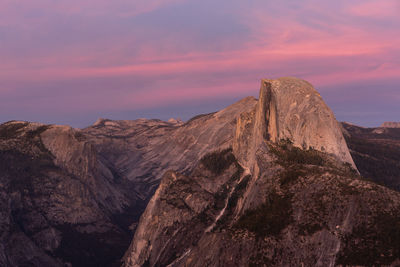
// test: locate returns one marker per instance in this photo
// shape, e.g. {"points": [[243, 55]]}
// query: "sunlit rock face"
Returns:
{"points": [[296, 111], [74, 196], [289, 109], [391, 124], [271, 200]]}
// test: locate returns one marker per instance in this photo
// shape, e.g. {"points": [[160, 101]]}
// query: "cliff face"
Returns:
{"points": [[270, 200], [289, 109], [143, 150], [59, 198], [238, 186], [73, 196], [296, 111]]}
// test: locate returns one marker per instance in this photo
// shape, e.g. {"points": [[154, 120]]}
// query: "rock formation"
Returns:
{"points": [[284, 195], [289, 108], [59, 198], [143, 150], [73, 196], [266, 181], [390, 124]]}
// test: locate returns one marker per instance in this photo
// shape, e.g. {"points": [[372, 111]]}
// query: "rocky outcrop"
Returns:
{"points": [[60, 197], [304, 210], [181, 201], [295, 111], [390, 124], [289, 109], [283, 196], [143, 150], [71, 196], [75, 196]]}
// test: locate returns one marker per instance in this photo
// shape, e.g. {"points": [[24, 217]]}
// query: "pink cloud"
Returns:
{"points": [[376, 9], [349, 76], [256, 58], [289, 40], [190, 92], [327, 44]]}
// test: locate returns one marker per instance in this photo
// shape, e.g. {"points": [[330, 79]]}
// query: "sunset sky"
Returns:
{"points": [[70, 62]]}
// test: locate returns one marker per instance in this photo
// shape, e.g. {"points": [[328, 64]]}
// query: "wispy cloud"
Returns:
{"points": [[109, 55], [376, 9]]}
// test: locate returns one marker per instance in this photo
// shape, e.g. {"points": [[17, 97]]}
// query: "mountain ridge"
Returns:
{"points": [[100, 179], [66, 191], [390, 124], [269, 200]]}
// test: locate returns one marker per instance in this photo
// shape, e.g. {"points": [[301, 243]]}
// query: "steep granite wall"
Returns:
{"points": [[289, 108], [268, 201], [304, 212]]}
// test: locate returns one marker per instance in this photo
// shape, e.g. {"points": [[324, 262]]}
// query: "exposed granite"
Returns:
{"points": [[71, 196], [53, 185], [75, 195], [293, 214], [292, 197]]}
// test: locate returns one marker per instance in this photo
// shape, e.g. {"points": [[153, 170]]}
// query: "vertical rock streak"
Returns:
{"points": [[287, 108]]}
